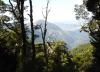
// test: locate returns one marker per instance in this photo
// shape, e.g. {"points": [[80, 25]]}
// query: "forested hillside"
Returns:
{"points": [[82, 56], [26, 46]]}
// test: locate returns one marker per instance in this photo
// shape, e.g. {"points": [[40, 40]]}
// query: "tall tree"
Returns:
{"points": [[7, 43], [94, 7], [18, 12], [44, 31], [32, 28], [32, 37], [93, 28]]}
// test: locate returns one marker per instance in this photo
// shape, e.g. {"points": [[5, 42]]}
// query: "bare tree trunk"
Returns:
{"points": [[32, 29], [44, 34], [32, 36]]}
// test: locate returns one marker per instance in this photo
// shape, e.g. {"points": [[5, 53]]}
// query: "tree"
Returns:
{"points": [[7, 43], [93, 28], [82, 57], [17, 28], [44, 31], [62, 58], [94, 7], [32, 29], [7, 60], [18, 13]]}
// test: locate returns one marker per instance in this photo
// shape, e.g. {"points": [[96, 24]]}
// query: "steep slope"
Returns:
{"points": [[54, 32]]}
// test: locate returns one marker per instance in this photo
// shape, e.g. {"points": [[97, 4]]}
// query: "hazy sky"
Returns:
{"points": [[61, 10]]}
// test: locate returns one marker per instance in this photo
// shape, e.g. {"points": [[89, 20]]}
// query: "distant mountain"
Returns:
{"points": [[78, 37], [54, 32], [68, 26]]}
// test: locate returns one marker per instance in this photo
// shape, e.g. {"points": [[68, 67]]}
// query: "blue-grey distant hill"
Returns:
{"points": [[54, 33]]}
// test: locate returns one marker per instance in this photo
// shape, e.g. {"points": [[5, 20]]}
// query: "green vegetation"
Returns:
{"points": [[19, 53], [92, 27], [82, 57], [58, 57]]}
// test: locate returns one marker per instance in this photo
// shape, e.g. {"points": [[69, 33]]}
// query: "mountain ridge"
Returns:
{"points": [[54, 32]]}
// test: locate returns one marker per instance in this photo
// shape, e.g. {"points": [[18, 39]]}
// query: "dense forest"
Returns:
{"points": [[20, 53]]}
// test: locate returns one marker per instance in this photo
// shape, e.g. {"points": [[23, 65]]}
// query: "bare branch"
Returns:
{"points": [[13, 11], [43, 15], [18, 5]]}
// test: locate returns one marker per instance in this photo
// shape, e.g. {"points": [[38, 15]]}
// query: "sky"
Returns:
{"points": [[60, 10]]}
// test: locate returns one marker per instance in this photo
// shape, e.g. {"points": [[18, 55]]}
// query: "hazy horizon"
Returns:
{"points": [[62, 13]]}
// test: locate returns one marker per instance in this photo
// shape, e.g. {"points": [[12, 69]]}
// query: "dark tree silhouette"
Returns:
{"points": [[32, 29], [94, 7], [7, 60], [19, 15]]}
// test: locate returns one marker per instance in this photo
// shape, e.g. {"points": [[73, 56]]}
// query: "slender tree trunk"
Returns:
{"points": [[44, 35], [32, 29], [32, 36], [25, 50], [44, 44]]}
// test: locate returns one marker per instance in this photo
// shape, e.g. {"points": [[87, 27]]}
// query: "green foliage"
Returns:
{"points": [[93, 28], [1, 3], [59, 59], [82, 57]]}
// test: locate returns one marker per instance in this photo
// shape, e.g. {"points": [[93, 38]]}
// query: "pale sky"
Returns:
{"points": [[61, 10]]}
